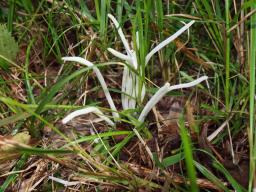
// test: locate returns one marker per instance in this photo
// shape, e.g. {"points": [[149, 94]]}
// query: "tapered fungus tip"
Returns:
{"points": [[203, 78], [68, 58], [192, 22], [167, 84], [64, 121], [63, 58]]}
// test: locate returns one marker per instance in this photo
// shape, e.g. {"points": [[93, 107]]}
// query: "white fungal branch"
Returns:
{"points": [[187, 85], [129, 89], [217, 131], [131, 57], [163, 91], [64, 182], [130, 80], [100, 78], [120, 55], [168, 40], [121, 34], [85, 111], [153, 101]]}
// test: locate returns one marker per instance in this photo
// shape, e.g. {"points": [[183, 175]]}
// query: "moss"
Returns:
{"points": [[8, 47]]}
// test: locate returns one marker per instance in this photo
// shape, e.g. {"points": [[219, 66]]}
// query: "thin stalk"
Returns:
{"points": [[31, 98], [252, 133], [10, 15], [142, 47], [227, 55], [119, 10], [188, 152], [104, 6]]}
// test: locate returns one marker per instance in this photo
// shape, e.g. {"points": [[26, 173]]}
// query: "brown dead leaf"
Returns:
{"points": [[188, 53], [9, 143], [36, 176], [191, 120]]}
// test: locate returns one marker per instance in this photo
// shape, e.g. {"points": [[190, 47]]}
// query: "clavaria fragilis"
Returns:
{"points": [[85, 111], [163, 91], [100, 78], [131, 91], [130, 81]]}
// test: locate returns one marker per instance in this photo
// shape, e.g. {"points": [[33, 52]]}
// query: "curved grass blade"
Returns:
{"points": [[231, 180], [210, 176]]}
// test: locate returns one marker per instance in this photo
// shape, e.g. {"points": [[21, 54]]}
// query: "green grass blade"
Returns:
{"points": [[86, 12], [210, 176], [119, 10], [104, 8], [92, 137], [55, 36], [30, 94], [168, 161], [12, 177], [97, 8], [227, 56], [10, 15], [14, 118], [187, 147], [231, 180], [206, 12], [23, 115], [171, 160], [252, 132], [40, 151], [27, 4], [48, 95]]}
